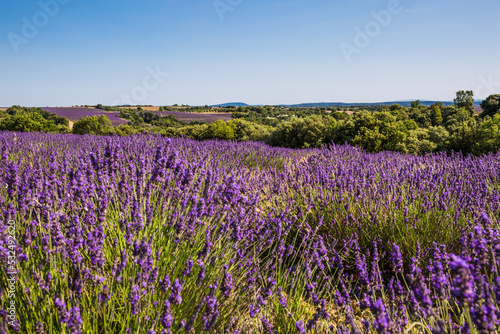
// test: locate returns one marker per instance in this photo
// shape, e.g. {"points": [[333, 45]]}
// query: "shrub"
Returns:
{"points": [[95, 125], [312, 131], [491, 105], [27, 122]]}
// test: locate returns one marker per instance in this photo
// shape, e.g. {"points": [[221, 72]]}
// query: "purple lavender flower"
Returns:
{"points": [[396, 259], [485, 220], [75, 321], [134, 298], [227, 284], [143, 255], [211, 313], [463, 281], [420, 289], [484, 311], [299, 326], [268, 327], [188, 266], [166, 318], [201, 274], [105, 295], [62, 311], [165, 283], [382, 324], [440, 281], [439, 328], [175, 297]]}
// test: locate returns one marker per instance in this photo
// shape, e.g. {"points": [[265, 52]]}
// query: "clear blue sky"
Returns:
{"points": [[260, 52]]}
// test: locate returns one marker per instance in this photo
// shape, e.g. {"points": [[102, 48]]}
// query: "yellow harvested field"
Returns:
{"points": [[150, 108]]}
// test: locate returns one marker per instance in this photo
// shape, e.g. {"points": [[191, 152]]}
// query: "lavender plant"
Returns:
{"points": [[146, 234]]}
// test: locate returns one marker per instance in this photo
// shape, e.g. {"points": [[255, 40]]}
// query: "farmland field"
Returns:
{"points": [[149, 108], [75, 113], [146, 234], [202, 117]]}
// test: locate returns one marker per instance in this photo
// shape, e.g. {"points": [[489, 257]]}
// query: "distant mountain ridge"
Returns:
{"points": [[231, 104], [406, 103]]}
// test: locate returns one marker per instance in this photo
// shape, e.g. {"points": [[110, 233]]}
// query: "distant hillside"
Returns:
{"points": [[406, 103], [231, 104], [361, 104], [75, 113]]}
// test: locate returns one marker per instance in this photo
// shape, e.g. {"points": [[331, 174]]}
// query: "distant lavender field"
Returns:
{"points": [[148, 234], [74, 114], [189, 117]]}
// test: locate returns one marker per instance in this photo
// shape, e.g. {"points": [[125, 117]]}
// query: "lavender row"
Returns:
{"points": [[147, 234], [76, 113]]}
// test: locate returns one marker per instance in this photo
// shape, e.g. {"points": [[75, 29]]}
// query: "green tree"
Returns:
{"points": [[374, 131], [15, 109], [125, 130], [488, 136], [416, 104], [417, 142], [491, 105], [436, 116], [312, 131], [196, 131], [167, 121], [94, 125], [58, 120], [422, 116], [455, 119], [248, 131], [464, 137], [339, 115], [439, 136], [27, 122], [220, 130], [465, 99]]}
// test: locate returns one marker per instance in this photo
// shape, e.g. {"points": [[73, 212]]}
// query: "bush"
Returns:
{"points": [[488, 136], [248, 131], [27, 122], [191, 131], [220, 130], [491, 105], [417, 142], [62, 122], [94, 125], [125, 130], [378, 131], [312, 131], [439, 136]]}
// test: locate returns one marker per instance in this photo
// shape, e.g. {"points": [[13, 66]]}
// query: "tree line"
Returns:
{"points": [[24, 119], [417, 129]]}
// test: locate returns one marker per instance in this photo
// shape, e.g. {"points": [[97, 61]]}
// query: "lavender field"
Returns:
{"points": [[146, 234], [76, 113], [191, 116]]}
